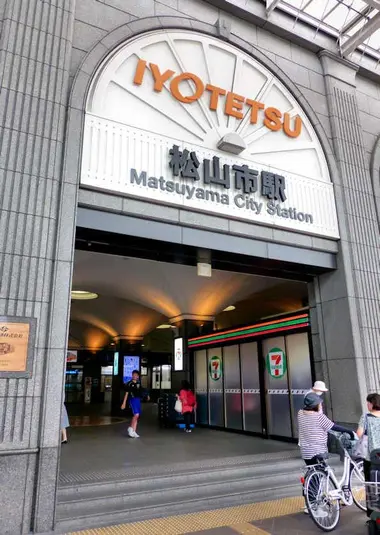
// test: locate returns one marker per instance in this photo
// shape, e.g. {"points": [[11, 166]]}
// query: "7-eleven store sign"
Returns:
{"points": [[276, 363]]}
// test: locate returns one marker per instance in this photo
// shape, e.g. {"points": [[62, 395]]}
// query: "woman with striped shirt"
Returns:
{"points": [[313, 428]]}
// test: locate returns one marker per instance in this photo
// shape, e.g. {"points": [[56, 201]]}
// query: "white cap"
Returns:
{"points": [[320, 386]]}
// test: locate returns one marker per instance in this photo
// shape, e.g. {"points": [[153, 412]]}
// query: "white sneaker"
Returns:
{"points": [[131, 433], [135, 435]]}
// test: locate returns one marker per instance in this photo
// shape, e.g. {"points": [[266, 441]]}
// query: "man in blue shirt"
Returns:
{"points": [[134, 392]]}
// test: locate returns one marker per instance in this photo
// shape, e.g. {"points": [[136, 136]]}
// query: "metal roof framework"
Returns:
{"points": [[354, 23]]}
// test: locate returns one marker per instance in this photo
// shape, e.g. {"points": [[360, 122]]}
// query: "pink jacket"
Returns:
{"points": [[185, 406]]}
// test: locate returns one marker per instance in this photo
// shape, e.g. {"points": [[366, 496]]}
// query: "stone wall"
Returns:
{"points": [[35, 51]]}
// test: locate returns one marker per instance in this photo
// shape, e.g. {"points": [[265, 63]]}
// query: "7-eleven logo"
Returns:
{"points": [[215, 368], [276, 363]]}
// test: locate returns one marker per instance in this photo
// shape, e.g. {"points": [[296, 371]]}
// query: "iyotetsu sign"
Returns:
{"points": [[233, 104], [183, 119]]}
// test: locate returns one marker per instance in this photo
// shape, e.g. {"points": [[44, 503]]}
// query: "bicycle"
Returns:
{"points": [[324, 493]]}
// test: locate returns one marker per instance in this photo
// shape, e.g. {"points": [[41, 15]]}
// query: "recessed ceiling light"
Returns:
{"points": [[165, 326], [83, 295], [230, 308]]}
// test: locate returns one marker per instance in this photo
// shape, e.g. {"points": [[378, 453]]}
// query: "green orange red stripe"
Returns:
{"points": [[283, 324]]}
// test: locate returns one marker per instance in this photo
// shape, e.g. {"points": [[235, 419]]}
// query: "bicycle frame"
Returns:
{"points": [[341, 491]]}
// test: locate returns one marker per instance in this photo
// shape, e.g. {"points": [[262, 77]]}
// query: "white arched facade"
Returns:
{"points": [[172, 88]]}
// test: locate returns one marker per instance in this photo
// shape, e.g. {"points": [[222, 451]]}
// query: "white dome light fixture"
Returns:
{"points": [[165, 326], [233, 143], [230, 308], [82, 295]]}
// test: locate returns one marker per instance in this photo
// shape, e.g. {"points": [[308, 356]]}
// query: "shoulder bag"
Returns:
{"points": [[178, 405], [361, 447]]}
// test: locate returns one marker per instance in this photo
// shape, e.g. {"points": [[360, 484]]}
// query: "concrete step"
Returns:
{"points": [[102, 519], [143, 484], [88, 506], [170, 494]]}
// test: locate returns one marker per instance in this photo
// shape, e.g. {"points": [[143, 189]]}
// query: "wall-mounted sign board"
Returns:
{"points": [[17, 337]]}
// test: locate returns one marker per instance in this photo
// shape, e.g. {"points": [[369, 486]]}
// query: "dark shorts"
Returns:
{"points": [[135, 404]]}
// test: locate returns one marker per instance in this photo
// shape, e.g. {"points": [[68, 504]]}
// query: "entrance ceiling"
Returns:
{"points": [[137, 295]]}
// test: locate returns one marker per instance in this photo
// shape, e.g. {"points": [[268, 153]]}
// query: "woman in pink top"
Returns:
{"points": [[188, 404]]}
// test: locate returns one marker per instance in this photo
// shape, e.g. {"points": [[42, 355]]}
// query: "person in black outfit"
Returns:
{"points": [[134, 392]]}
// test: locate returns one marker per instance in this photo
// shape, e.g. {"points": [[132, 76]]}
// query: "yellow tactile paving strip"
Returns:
{"points": [[237, 518]]}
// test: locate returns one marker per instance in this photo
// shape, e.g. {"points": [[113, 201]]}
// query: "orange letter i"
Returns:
{"points": [[140, 71]]}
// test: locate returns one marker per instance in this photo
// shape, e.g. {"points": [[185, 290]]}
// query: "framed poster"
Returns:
{"points": [[72, 356], [17, 337]]}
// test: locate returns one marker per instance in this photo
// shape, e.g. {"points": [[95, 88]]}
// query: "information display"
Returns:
{"points": [[178, 354], [116, 363], [130, 363]]}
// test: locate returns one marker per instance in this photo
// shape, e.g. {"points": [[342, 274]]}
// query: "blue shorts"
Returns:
{"points": [[135, 404]]}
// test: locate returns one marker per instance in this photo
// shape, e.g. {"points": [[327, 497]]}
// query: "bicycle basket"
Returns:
{"points": [[375, 458], [340, 443], [373, 495]]}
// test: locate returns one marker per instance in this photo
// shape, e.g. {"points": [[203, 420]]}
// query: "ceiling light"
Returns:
{"points": [[204, 269], [164, 326], [230, 308], [83, 295]]}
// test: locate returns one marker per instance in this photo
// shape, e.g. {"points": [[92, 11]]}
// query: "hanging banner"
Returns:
{"points": [[178, 354]]}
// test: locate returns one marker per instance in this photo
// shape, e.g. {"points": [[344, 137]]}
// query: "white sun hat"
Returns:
{"points": [[320, 386]]}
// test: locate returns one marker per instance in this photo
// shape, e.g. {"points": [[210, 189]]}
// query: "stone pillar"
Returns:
{"points": [[345, 307], [35, 250]]}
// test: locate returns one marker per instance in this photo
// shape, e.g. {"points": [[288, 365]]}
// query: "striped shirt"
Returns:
{"points": [[313, 428]]}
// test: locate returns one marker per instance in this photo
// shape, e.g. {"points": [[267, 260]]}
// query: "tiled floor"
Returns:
{"points": [[94, 420], [280, 517]]}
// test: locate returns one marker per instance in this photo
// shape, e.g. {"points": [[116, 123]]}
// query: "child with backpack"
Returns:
{"points": [[189, 403]]}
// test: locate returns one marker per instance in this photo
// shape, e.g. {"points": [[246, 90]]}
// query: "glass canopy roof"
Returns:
{"points": [[355, 23]]}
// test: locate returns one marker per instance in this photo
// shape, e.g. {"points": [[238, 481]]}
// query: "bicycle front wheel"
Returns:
{"points": [[323, 509], [357, 485]]}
